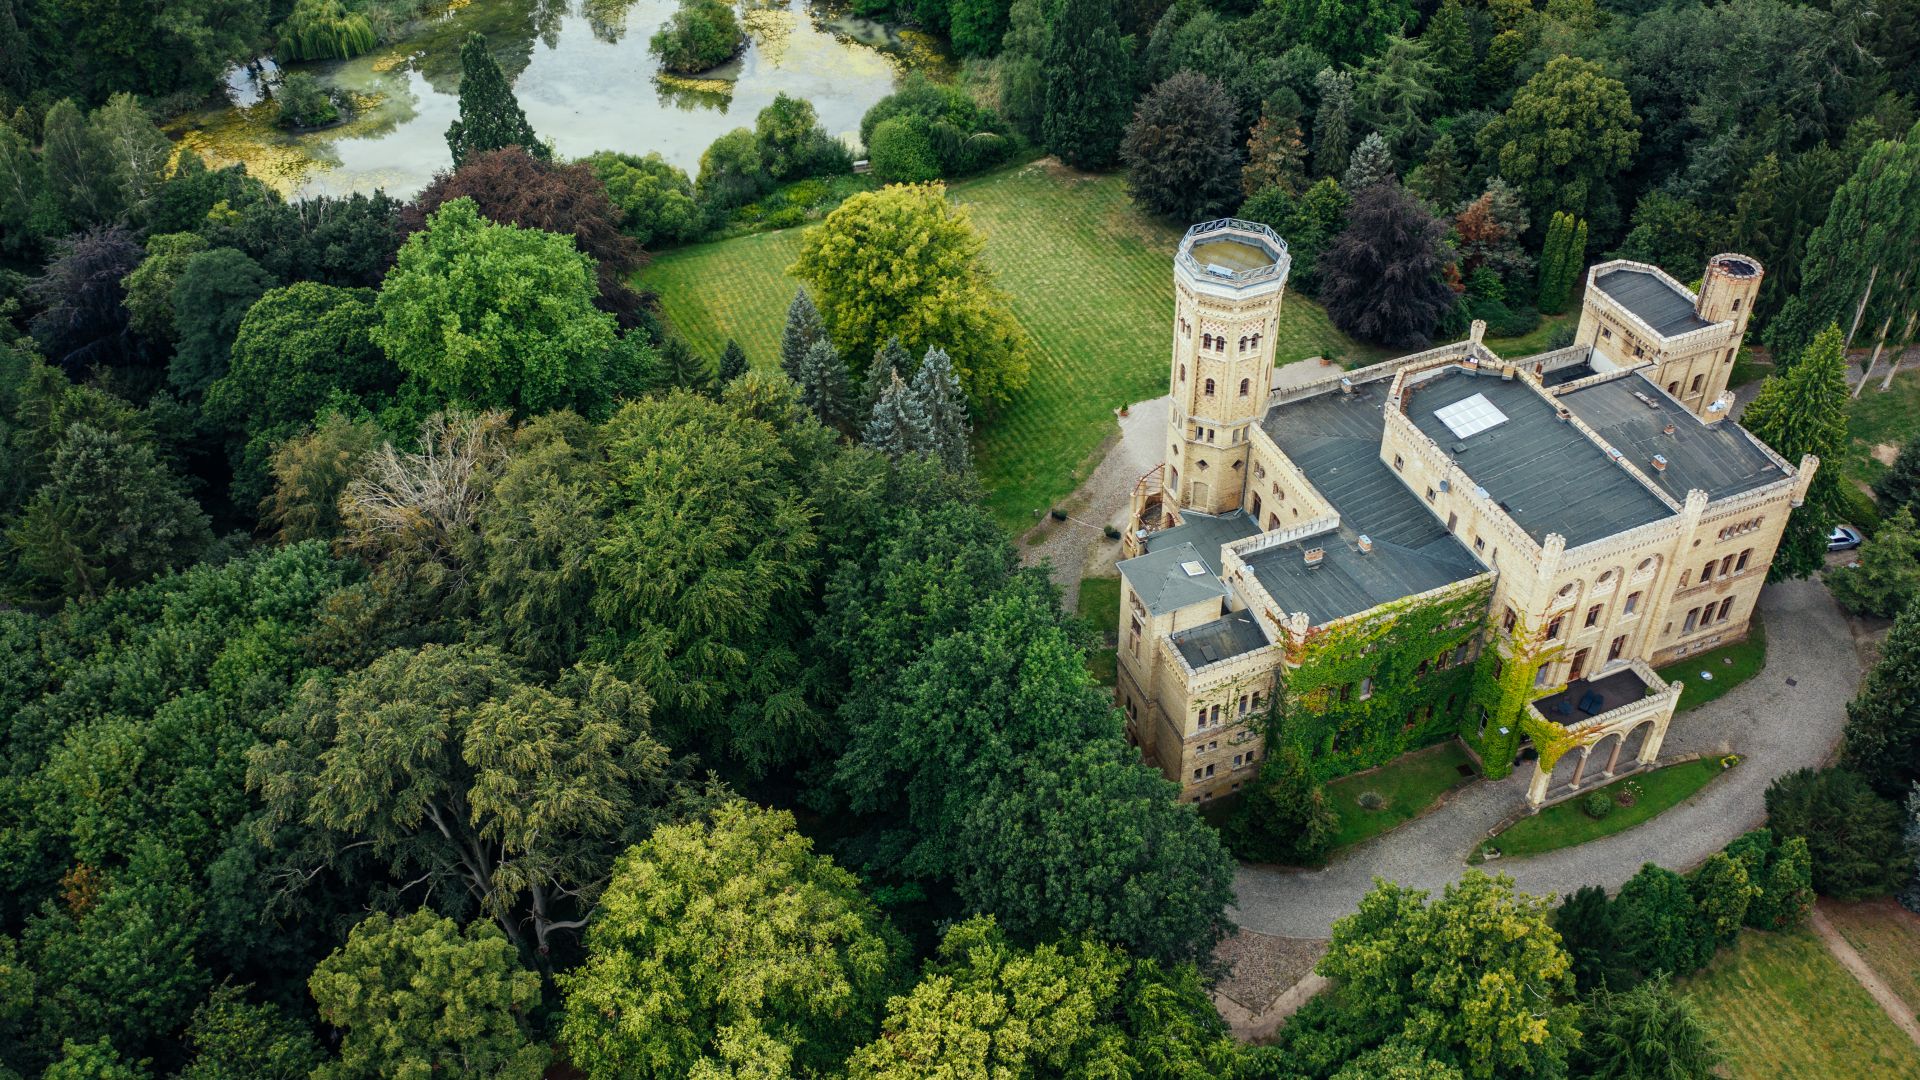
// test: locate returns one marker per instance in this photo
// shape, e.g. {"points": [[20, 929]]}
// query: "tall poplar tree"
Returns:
{"points": [[1804, 411], [1088, 66], [490, 116]]}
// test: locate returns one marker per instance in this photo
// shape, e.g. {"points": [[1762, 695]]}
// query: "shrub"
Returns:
{"points": [[1598, 805], [901, 151], [702, 34], [655, 199], [961, 137], [731, 173], [303, 103], [1503, 321], [1784, 874], [793, 144], [323, 30]]}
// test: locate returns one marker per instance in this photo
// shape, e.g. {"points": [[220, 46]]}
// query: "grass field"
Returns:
{"points": [[1876, 418], [1731, 665], [1100, 608], [1787, 1010], [1091, 279], [1409, 785], [1887, 937], [1567, 824]]}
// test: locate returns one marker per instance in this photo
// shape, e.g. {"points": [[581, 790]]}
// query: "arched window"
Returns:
{"points": [[1697, 380], [1245, 386], [1744, 556], [1674, 388], [1256, 341], [1220, 343], [1209, 387], [1183, 373], [1206, 341]]}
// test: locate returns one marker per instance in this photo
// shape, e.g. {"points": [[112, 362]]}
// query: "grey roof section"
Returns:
{"points": [[1158, 577], [1546, 475], [1335, 439], [1222, 639], [1719, 459], [1662, 306]]}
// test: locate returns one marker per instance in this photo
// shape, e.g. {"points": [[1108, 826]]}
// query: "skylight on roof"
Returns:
{"points": [[1194, 567], [1470, 416]]}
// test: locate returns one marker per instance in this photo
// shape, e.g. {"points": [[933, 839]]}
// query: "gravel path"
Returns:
{"points": [[1104, 499], [1776, 728]]}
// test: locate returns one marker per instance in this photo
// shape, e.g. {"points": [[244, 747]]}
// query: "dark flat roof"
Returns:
{"points": [[1719, 459], [1665, 308], [1222, 639], [1546, 475], [1335, 439], [1159, 578]]}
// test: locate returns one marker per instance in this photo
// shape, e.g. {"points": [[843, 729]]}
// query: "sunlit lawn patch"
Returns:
{"points": [[1566, 824], [1730, 666], [1395, 793]]}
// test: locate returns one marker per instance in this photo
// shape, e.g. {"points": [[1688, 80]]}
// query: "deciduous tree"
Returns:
{"points": [[1180, 150], [1381, 277], [83, 321], [906, 262], [419, 996], [1886, 578], [728, 949], [212, 295], [1570, 130]]}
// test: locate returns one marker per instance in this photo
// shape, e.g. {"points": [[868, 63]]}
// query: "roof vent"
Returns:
{"points": [[1315, 556], [1659, 463], [1668, 430], [1194, 567], [1346, 385], [1366, 544], [1645, 400]]}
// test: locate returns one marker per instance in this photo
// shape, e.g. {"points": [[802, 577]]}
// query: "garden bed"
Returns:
{"points": [[1570, 823]]}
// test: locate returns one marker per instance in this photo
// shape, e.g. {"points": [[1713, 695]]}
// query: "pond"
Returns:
{"points": [[583, 74]]}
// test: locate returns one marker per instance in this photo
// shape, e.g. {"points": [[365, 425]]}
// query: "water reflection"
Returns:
{"points": [[582, 73]]}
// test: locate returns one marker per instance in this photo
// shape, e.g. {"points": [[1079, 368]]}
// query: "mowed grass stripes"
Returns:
{"points": [[1091, 280]]}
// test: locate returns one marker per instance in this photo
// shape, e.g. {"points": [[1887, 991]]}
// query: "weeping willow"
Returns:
{"points": [[324, 30]]}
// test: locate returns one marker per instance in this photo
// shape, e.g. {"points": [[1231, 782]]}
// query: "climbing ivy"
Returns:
{"points": [[1359, 694], [1503, 687]]}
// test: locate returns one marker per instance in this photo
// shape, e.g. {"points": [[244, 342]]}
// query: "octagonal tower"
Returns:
{"points": [[1228, 277]]}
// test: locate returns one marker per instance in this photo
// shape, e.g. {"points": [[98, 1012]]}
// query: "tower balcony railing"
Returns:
{"points": [[1263, 234]]}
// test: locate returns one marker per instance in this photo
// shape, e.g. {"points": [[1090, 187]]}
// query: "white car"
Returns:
{"points": [[1843, 538]]}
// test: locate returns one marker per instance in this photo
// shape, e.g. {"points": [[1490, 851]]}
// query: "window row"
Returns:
{"points": [[1210, 715], [1218, 342], [1246, 386], [1741, 529], [1240, 761], [1702, 617], [1720, 568]]}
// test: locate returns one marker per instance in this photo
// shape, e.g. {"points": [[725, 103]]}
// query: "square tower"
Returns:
{"points": [[1228, 278]]}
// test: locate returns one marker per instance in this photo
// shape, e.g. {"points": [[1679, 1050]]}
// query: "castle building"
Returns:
{"points": [[1445, 544]]}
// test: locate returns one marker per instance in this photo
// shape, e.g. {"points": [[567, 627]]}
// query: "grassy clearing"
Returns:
{"points": [[1090, 278], [1876, 418], [1409, 786], [1100, 607], [1887, 937], [1731, 665], [1538, 341], [1567, 824], [1786, 1010]]}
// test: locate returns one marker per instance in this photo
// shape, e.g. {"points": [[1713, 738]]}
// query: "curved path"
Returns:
{"points": [[1777, 728]]}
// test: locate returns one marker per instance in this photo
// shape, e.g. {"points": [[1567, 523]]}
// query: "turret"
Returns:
{"points": [[1728, 289], [1228, 277]]}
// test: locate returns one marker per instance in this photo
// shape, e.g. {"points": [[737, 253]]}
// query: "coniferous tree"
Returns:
{"points": [[1381, 277], [936, 389], [1440, 177], [733, 362], [1804, 411], [1372, 164], [823, 383], [681, 367], [1853, 832], [1088, 66], [1900, 484], [1883, 723], [490, 116], [1276, 154], [1884, 580], [1449, 42], [1648, 1031], [888, 361], [1585, 921], [1333, 123], [1561, 261], [898, 425], [1396, 91], [804, 327]]}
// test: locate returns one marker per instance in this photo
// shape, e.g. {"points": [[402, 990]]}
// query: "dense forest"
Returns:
{"points": [[416, 660]]}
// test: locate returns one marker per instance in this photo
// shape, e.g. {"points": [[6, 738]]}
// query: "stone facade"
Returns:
{"points": [[1257, 554]]}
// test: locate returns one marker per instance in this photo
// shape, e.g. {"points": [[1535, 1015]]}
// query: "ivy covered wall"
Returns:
{"points": [[1503, 686], [1360, 694]]}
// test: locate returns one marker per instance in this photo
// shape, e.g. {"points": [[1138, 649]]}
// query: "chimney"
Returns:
{"points": [[1315, 556], [1564, 414], [1366, 544], [1659, 463], [1668, 430], [1477, 331]]}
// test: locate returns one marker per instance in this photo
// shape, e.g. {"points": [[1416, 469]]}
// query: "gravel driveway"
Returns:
{"points": [[1776, 727], [1104, 499]]}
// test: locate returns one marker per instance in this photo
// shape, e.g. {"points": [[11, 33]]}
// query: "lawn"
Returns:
{"points": [[1887, 937], [1091, 279], [1567, 824], [1786, 1010], [1537, 341], [1731, 665], [1409, 785], [1100, 607], [1876, 418]]}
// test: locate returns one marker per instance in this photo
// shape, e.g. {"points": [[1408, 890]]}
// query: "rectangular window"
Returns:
{"points": [[1553, 628], [1633, 603], [1593, 615], [1215, 715], [1398, 464], [1508, 619], [1209, 770], [1430, 494], [1256, 699], [1619, 646], [1479, 544], [1196, 774], [1452, 520], [1236, 761], [1213, 745], [1251, 755], [1366, 688], [1243, 704]]}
